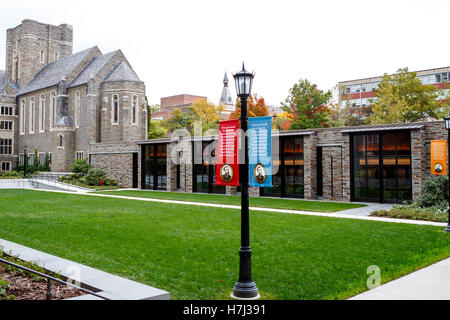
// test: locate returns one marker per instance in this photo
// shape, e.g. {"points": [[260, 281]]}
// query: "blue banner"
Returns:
{"points": [[260, 151]]}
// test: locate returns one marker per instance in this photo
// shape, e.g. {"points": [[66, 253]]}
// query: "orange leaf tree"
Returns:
{"points": [[256, 107]]}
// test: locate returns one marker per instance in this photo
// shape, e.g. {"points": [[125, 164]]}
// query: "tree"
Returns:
{"points": [[178, 120], [206, 112], [308, 106], [256, 107], [403, 98], [156, 130], [80, 166], [344, 114], [283, 121]]}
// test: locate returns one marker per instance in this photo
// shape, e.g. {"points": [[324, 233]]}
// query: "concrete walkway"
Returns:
{"points": [[430, 283], [341, 214]]}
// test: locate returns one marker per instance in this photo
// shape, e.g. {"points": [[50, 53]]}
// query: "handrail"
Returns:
{"points": [[50, 278]]}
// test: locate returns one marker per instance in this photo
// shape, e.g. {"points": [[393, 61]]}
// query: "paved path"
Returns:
{"points": [[341, 214], [430, 283]]}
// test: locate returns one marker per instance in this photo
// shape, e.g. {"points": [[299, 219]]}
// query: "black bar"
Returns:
{"points": [[245, 287], [51, 278]]}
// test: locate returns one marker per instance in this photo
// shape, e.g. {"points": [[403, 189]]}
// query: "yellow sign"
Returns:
{"points": [[439, 157]]}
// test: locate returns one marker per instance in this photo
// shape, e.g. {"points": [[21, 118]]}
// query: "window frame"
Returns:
{"points": [[115, 111], [9, 165], [31, 115], [22, 117], [41, 113]]}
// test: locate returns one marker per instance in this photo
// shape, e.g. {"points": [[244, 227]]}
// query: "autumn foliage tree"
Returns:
{"points": [[403, 98], [256, 107], [308, 106]]}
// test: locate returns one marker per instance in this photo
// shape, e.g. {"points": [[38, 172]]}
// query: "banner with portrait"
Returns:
{"points": [[260, 151], [227, 165]]}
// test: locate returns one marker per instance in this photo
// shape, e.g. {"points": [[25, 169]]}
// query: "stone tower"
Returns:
{"points": [[225, 97], [31, 45]]}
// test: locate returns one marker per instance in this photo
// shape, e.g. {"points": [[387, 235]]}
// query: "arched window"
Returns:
{"points": [[41, 113], [134, 110], [77, 109], [22, 116], [31, 114], [55, 56], [115, 109], [52, 109]]}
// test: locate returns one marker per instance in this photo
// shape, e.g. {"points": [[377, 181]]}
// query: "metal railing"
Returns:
{"points": [[50, 279]]}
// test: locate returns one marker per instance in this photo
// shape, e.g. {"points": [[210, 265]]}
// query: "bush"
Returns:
{"points": [[93, 177], [414, 212], [11, 175], [80, 166], [434, 193], [73, 178]]}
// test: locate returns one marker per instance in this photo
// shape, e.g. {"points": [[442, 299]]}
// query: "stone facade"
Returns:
{"points": [[336, 159], [64, 103]]}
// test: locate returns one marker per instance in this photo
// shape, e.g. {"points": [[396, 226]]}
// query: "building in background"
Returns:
{"points": [[356, 93], [168, 104]]}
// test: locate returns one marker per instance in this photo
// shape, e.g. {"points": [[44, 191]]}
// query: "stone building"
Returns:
{"points": [[383, 163], [64, 104]]}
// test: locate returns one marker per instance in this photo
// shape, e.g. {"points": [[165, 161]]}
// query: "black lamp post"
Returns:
{"points": [[25, 160], [245, 288], [447, 126]]}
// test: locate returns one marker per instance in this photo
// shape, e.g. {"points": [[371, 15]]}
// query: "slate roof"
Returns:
{"points": [[5, 83], [122, 72], [54, 72], [92, 69], [385, 127]]}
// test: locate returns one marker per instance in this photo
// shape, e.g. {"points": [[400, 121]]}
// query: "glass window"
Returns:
{"points": [[438, 77], [388, 181], [115, 101]]}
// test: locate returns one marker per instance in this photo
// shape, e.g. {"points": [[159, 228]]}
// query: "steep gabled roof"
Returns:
{"points": [[122, 72], [91, 70], [56, 71]]}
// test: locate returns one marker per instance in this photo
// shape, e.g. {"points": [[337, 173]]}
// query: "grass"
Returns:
{"points": [[192, 251], [302, 205]]}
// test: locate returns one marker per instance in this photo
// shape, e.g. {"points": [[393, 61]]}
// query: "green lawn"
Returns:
{"points": [[302, 205], [192, 251]]}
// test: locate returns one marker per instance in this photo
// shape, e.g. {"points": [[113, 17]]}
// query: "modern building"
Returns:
{"points": [[358, 92], [382, 163], [63, 104]]}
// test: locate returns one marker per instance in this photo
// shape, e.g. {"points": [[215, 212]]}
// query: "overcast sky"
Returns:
{"points": [[179, 46]]}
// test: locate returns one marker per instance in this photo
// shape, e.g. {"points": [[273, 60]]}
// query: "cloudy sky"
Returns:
{"points": [[179, 46]]}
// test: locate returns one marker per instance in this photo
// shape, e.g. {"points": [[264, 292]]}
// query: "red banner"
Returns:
{"points": [[227, 164]]}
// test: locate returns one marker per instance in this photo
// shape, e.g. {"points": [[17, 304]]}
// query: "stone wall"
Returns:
{"points": [[116, 159], [28, 39]]}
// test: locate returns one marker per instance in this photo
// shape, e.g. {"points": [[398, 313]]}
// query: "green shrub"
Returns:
{"points": [[11, 175], [73, 178], [434, 193], [80, 166], [108, 182], [414, 212], [93, 177]]}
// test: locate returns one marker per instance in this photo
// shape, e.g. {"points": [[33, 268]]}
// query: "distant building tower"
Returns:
{"points": [[226, 99]]}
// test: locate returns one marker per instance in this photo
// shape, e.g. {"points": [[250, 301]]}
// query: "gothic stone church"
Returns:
{"points": [[69, 105]]}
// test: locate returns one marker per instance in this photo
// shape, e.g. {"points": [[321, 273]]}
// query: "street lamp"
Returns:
{"points": [[447, 126], [25, 161], [245, 287]]}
